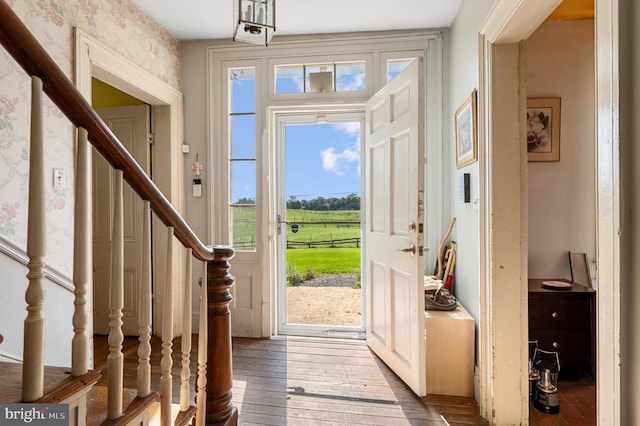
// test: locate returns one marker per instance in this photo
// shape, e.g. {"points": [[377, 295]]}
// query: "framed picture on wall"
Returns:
{"points": [[543, 129], [466, 132]]}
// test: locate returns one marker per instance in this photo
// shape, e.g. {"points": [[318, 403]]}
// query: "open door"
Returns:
{"points": [[131, 125], [394, 224]]}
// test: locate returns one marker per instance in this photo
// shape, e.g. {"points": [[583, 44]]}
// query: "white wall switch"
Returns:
{"points": [[59, 179]]}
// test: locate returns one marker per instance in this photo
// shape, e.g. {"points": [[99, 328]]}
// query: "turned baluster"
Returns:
{"points": [[33, 349]]}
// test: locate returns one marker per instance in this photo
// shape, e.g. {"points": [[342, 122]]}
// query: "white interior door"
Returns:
{"points": [[394, 260], [131, 125]]}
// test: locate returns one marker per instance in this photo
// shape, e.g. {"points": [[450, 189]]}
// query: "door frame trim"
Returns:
{"points": [[94, 59], [506, 25], [275, 115]]}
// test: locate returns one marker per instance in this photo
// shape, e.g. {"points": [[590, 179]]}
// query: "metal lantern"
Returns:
{"points": [[255, 20], [546, 391]]}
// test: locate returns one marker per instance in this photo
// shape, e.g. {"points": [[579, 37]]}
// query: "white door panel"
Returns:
{"points": [[394, 262], [131, 125]]}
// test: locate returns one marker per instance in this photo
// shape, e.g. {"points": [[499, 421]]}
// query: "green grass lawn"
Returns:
{"points": [[319, 260], [325, 260]]}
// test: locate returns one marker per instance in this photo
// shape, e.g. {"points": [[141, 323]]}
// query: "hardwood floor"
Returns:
{"points": [[312, 382], [326, 381], [577, 404]]}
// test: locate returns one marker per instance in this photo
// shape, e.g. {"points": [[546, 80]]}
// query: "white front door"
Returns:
{"points": [[394, 224], [131, 125]]}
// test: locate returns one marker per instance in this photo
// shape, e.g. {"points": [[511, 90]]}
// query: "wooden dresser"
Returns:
{"points": [[564, 321]]}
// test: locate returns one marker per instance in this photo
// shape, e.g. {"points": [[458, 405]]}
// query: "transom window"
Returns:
{"points": [[327, 77]]}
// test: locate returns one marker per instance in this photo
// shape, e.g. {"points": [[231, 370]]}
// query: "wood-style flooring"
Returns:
{"points": [[331, 382], [577, 404], [299, 381]]}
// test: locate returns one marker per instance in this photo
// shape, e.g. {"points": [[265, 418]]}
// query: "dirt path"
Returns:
{"points": [[331, 301]]}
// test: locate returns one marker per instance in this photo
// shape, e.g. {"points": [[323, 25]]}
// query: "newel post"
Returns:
{"points": [[220, 410]]}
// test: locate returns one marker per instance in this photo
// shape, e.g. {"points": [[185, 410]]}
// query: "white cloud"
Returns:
{"points": [[337, 162], [351, 128], [354, 83]]}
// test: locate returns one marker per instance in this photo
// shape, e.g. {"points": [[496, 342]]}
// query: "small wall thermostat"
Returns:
{"points": [[464, 188]]}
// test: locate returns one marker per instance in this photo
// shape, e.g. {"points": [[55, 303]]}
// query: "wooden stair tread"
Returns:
{"points": [[132, 406], [180, 418], [59, 384], [184, 417]]}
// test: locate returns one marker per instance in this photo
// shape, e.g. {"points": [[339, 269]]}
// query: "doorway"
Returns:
{"points": [[93, 60], [319, 251], [500, 62]]}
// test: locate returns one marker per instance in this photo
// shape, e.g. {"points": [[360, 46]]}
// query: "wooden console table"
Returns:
{"points": [[564, 321]]}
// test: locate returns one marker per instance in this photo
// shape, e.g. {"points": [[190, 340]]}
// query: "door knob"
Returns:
{"points": [[411, 249]]}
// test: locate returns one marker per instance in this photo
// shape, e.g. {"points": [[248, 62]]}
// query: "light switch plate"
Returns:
{"points": [[59, 179]]}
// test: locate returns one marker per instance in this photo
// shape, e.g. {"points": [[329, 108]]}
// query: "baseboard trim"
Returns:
{"points": [[56, 277]]}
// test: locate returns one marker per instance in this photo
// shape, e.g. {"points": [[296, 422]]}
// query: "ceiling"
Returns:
{"points": [[211, 19]]}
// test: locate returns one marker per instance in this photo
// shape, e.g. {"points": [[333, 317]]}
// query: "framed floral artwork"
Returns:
{"points": [[466, 132], [543, 129]]}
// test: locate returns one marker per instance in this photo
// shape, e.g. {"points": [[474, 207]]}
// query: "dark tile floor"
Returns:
{"points": [[577, 404]]}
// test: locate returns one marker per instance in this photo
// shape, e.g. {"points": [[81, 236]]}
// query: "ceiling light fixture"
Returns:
{"points": [[255, 20]]}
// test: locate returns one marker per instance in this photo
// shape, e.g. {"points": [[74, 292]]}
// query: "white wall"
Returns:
{"points": [[193, 57], [463, 78], [119, 25], [562, 195], [58, 328], [193, 70]]}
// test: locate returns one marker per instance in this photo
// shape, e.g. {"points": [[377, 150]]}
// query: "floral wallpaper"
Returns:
{"points": [[120, 25]]}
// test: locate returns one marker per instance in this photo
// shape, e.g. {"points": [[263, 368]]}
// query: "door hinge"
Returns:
{"points": [[151, 138]]}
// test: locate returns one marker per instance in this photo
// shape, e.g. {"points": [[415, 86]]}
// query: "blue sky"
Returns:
{"points": [[322, 160]]}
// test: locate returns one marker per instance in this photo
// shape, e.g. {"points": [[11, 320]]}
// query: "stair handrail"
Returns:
{"points": [[33, 58]]}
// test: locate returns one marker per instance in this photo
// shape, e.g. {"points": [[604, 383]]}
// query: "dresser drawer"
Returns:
{"points": [[560, 314], [573, 347]]}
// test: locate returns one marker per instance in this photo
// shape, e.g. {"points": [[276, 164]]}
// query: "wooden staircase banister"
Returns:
{"points": [[215, 370], [32, 57]]}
